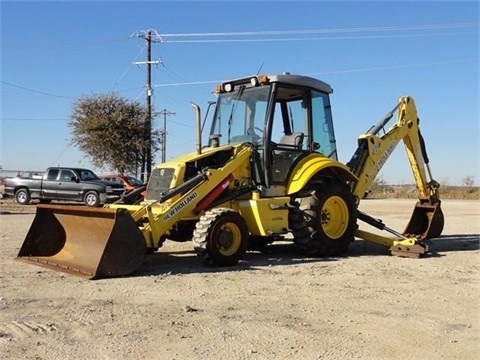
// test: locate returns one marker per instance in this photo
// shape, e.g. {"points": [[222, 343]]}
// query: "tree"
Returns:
{"points": [[380, 185], [110, 130], [468, 181]]}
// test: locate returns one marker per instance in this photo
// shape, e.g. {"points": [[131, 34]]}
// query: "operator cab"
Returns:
{"points": [[284, 117]]}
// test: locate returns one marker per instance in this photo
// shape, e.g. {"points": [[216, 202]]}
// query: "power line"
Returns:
{"points": [[323, 31], [128, 67], [205, 82], [336, 71], [37, 91], [47, 94], [189, 83], [258, 36], [63, 44], [380, 68], [314, 38], [162, 37], [30, 119]]}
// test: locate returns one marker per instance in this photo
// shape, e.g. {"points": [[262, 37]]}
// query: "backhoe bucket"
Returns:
{"points": [[89, 242], [427, 220]]}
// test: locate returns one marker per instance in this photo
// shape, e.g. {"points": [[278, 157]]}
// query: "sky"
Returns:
{"points": [[371, 52]]}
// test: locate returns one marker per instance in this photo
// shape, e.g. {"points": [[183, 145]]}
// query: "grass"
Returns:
{"points": [[410, 192]]}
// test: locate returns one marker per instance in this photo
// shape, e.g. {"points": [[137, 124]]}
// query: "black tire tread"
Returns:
{"points": [[202, 232], [305, 224]]}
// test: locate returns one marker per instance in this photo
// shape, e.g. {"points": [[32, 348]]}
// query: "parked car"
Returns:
{"points": [[63, 183], [3, 181], [131, 183]]}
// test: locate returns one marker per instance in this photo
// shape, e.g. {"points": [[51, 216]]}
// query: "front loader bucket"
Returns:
{"points": [[426, 221], [89, 242]]}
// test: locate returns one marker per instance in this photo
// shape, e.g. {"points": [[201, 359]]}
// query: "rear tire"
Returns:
{"points": [[324, 222], [91, 199], [22, 196], [221, 237]]}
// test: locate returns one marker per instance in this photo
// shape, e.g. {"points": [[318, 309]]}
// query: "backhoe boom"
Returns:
{"points": [[374, 150]]}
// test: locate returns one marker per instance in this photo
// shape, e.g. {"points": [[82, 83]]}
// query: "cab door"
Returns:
{"points": [[68, 185], [49, 184], [289, 132], [301, 123]]}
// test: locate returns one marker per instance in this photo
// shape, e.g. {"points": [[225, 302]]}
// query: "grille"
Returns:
{"points": [[159, 181]]}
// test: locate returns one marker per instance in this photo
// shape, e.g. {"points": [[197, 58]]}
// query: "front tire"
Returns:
{"points": [[91, 199], [324, 222], [22, 196], [221, 237]]}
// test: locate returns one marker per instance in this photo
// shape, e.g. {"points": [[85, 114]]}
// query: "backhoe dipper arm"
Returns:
{"points": [[372, 153], [374, 150]]}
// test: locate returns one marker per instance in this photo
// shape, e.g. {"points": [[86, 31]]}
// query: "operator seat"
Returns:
{"points": [[285, 153], [294, 140]]}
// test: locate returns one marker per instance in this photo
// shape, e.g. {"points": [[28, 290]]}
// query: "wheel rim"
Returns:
{"points": [[229, 239], [334, 217], [21, 197], [91, 199]]}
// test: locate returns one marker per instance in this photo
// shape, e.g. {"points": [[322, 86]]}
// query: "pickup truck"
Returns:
{"points": [[63, 183]]}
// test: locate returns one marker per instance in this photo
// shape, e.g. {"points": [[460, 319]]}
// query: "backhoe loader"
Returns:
{"points": [[268, 173]]}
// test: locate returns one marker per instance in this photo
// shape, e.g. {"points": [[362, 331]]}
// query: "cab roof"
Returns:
{"points": [[285, 78]]}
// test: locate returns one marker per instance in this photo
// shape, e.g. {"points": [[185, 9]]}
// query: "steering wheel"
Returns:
{"points": [[260, 130], [256, 139]]}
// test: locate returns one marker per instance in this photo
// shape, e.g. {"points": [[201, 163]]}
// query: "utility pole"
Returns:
{"points": [[149, 36], [163, 140]]}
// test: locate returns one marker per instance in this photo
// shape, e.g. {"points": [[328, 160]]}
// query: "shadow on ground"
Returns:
{"points": [[285, 253]]}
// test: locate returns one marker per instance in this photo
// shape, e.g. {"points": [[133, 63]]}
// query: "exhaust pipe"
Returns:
{"points": [[198, 118]]}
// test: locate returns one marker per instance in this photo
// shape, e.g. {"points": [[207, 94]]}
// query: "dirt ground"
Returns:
{"points": [[273, 305]]}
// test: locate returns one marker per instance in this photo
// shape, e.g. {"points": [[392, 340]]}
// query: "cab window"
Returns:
{"points": [[289, 131], [322, 125], [67, 175], [52, 174]]}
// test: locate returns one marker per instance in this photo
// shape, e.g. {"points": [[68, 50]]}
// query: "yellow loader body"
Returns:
{"points": [[269, 170]]}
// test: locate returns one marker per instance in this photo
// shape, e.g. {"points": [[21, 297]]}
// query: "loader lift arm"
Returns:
{"points": [[113, 240], [195, 196], [373, 151]]}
